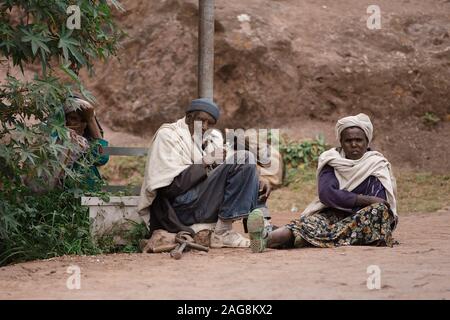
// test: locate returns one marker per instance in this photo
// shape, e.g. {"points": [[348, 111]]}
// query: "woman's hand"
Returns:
{"points": [[89, 115], [363, 201], [88, 111]]}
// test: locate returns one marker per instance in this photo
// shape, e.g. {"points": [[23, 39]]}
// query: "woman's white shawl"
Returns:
{"points": [[351, 173]]}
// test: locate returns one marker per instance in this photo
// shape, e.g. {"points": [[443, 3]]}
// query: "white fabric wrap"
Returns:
{"points": [[171, 151], [351, 173], [361, 121]]}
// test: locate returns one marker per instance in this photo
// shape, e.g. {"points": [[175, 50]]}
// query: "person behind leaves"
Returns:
{"points": [[86, 137]]}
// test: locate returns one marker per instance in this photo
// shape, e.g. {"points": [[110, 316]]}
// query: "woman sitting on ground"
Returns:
{"points": [[356, 203]]}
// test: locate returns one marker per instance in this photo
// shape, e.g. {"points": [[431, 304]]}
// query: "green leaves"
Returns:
{"points": [[26, 156], [38, 36], [6, 34], [40, 211], [69, 47], [298, 155], [41, 32], [42, 226], [37, 41]]}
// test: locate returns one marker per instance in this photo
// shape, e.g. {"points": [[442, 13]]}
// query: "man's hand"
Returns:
{"points": [[216, 157], [264, 189]]}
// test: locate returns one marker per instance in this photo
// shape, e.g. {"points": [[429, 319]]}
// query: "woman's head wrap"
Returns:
{"points": [[361, 121], [74, 104]]}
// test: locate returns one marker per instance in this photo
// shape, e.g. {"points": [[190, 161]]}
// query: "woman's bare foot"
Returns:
{"points": [[280, 237]]}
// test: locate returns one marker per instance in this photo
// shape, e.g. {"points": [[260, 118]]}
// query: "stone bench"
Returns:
{"points": [[112, 218], [120, 213]]}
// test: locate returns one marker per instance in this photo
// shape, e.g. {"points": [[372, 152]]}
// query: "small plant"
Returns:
{"points": [[430, 119], [133, 236], [298, 156], [39, 226], [123, 238]]}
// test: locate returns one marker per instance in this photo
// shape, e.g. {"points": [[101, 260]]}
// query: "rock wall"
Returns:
{"points": [[287, 61]]}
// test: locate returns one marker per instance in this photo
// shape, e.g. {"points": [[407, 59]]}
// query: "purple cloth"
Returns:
{"points": [[331, 196]]}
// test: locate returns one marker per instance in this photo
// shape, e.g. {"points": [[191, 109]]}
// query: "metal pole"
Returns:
{"points": [[206, 49]]}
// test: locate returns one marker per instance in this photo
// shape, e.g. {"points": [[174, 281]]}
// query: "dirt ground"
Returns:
{"points": [[417, 268]]}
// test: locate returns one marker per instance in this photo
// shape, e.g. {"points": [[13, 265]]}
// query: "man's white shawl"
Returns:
{"points": [[351, 173], [171, 151]]}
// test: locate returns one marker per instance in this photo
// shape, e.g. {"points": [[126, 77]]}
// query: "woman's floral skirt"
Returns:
{"points": [[372, 225]]}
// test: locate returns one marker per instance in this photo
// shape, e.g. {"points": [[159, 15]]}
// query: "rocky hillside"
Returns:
{"points": [[290, 63]]}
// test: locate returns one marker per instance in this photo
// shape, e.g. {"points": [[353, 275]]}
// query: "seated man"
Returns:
{"points": [[182, 187], [356, 203]]}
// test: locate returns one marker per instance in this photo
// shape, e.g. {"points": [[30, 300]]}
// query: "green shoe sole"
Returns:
{"points": [[255, 226]]}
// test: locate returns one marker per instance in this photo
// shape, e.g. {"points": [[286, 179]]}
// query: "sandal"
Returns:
{"points": [[257, 231], [229, 239]]}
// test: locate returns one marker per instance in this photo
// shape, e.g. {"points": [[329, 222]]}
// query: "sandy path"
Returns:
{"points": [[419, 268]]}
